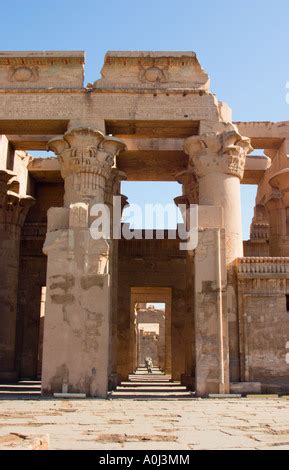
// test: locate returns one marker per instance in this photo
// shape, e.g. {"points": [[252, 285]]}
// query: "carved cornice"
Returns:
{"points": [[150, 59], [218, 152], [41, 58]]}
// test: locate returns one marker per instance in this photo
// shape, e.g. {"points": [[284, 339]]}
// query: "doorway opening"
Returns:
{"points": [[150, 332], [150, 321]]}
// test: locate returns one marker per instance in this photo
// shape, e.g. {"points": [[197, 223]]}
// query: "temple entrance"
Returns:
{"points": [[150, 337]]}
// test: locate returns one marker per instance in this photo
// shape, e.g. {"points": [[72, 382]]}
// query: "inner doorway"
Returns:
{"points": [[150, 333], [150, 328]]}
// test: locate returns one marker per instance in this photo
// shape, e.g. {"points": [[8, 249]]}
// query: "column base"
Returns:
{"points": [[246, 387]]}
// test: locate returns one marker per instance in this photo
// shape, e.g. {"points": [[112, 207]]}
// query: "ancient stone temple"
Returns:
{"points": [[67, 300]]}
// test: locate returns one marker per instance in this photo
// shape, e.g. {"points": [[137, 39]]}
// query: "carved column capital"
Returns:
{"points": [[280, 185], [274, 199], [190, 186], [86, 157], [112, 187], [218, 152], [260, 224], [124, 202], [13, 207]]}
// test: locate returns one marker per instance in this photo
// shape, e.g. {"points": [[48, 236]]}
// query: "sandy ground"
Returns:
{"points": [[151, 424]]}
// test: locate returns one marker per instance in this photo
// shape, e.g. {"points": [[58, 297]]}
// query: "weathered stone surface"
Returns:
{"points": [[16, 441], [152, 70], [168, 425], [246, 387], [38, 70]]}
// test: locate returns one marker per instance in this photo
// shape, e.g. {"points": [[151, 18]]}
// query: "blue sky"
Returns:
{"points": [[243, 45]]}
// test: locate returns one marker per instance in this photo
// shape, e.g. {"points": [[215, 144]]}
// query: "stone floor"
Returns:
{"points": [[151, 424]]}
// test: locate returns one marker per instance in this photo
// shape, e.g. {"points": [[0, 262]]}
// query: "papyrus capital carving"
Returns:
{"points": [[13, 206], [86, 157], [218, 152]]}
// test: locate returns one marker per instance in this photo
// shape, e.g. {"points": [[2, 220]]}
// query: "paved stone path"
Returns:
{"points": [[152, 424]]}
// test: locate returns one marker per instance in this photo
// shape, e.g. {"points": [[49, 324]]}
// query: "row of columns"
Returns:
{"points": [[79, 311]]}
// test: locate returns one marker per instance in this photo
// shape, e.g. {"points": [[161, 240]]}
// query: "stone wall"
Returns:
{"points": [[263, 287]]}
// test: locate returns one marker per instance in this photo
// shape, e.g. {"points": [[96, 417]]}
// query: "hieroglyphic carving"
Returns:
{"points": [[73, 105]]}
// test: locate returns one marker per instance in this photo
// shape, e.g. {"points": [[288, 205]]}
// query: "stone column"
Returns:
{"points": [[190, 190], [113, 189], [78, 297], [211, 321], [218, 161], [277, 206], [13, 210]]}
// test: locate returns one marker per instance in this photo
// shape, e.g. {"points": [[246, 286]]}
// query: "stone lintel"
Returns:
{"points": [[139, 164], [265, 134]]}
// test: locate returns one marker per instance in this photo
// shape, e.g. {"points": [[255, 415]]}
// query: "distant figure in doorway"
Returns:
{"points": [[149, 364]]}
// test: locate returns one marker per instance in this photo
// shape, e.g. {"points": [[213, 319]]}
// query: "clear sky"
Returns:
{"points": [[244, 46]]}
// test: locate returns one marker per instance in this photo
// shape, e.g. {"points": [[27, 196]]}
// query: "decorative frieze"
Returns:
{"points": [[259, 231], [263, 265]]}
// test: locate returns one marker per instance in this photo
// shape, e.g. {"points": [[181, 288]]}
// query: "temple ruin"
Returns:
{"points": [[67, 301]]}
